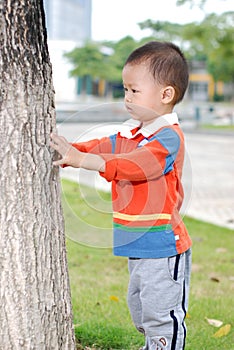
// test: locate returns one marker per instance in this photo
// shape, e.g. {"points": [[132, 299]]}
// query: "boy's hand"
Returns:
{"points": [[69, 155], [72, 157]]}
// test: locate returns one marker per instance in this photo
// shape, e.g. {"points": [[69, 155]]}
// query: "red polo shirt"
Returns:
{"points": [[145, 168]]}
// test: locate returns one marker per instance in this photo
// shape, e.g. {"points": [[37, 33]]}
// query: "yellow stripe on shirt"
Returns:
{"points": [[145, 217]]}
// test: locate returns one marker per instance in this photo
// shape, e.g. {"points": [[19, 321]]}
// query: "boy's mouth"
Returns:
{"points": [[129, 109]]}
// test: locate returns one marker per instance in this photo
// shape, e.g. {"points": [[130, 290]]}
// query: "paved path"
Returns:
{"points": [[208, 175], [212, 162]]}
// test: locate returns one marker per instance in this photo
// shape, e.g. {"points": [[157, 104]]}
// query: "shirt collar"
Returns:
{"points": [[164, 120]]}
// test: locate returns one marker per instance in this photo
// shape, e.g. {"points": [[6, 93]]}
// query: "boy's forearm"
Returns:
{"points": [[91, 161], [85, 160]]}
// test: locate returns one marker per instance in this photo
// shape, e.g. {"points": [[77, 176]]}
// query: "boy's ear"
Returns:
{"points": [[168, 94]]}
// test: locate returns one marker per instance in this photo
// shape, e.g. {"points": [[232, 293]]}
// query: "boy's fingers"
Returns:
{"points": [[55, 140], [53, 145], [61, 145], [53, 137], [58, 139], [58, 163]]}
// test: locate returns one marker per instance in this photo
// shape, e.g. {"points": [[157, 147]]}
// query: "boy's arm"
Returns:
{"points": [[73, 157], [151, 161], [145, 163], [95, 146]]}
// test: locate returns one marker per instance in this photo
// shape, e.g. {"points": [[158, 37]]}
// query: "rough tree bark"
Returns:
{"points": [[35, 303]]}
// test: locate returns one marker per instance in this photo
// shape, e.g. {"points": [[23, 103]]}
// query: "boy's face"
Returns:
{"points": [[143, 96]]}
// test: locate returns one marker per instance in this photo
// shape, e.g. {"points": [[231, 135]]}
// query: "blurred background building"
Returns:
{"points": [[68, 26], [68, 20]]}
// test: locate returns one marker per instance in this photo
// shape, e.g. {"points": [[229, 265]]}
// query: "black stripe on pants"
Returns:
{"points": [[175, 330]]}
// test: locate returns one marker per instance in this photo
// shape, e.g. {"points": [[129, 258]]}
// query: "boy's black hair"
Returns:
{"points": [[167, 65]]}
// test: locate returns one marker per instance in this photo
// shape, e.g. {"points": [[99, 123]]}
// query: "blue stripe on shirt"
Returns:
{"points": [[147, 244], [113, 142], [170, 140]]}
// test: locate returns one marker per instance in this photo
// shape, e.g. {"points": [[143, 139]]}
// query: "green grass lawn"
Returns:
{"points": [[99, 280], [217, 127]]}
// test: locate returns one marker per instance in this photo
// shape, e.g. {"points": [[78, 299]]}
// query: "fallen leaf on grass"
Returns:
{"points": [[215, 323], [114, 298], [221, 250], [196, 267], [222, 331], [77, 325], [214, 279]]}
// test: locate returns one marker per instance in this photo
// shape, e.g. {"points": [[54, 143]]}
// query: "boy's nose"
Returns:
{"points": [[128, 98]]}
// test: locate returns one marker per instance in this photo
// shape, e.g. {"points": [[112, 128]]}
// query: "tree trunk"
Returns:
{"points": [[35, 302]]}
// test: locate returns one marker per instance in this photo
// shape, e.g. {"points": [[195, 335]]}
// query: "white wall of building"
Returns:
{"points": [[65, 85], [69, 25]]}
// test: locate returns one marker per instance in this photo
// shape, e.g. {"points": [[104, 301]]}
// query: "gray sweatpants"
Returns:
{"points": [[158, 299]]}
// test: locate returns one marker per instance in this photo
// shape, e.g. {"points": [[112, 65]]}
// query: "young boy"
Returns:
{"points": [[144, 163]]}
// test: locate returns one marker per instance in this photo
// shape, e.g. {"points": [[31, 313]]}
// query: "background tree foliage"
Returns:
{"points": [[210, 40], [216, 35], [88, 60], [199, 3], [102, 60], [121, 50]]}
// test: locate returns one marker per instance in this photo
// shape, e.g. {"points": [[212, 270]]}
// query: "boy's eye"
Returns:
{"points": [[132, 90]]}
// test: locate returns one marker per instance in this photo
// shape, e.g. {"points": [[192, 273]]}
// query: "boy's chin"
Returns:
{"points": [[141, 113], [150, 117], [135, 116]]}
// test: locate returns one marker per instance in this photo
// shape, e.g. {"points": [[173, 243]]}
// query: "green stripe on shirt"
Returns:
{"points": [[167, 227]]}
